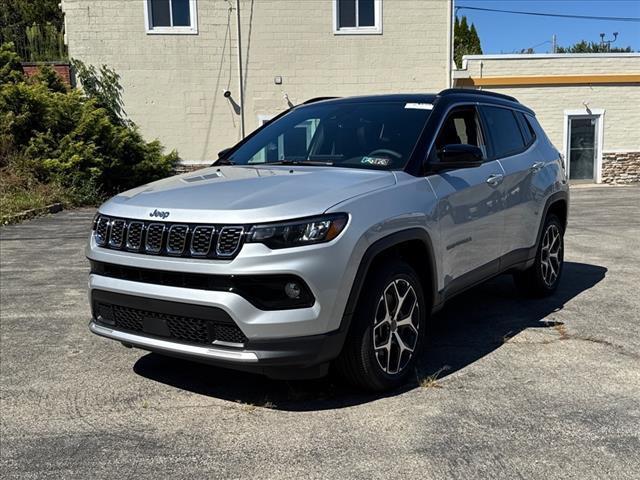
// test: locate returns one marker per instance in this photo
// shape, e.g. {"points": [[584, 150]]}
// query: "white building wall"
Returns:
{"points": [[173, 83]]}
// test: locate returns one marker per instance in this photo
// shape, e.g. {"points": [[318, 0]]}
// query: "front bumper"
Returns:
{"points": [[170, 328], [201, 333], [306, 357]]}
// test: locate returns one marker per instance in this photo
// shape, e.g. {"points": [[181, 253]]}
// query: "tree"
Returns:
{"points": [[592, 47], [27, 12], [35, 27], [466, 40]]}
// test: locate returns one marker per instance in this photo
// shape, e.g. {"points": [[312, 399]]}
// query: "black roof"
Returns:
{"points": [[450, 94]]}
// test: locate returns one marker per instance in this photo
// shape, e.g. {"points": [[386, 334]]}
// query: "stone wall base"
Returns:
{"points": [[620, 167]]}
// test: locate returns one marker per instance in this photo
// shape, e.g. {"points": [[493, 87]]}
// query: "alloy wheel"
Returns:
{"points": [[551, 255], [396, 325]]}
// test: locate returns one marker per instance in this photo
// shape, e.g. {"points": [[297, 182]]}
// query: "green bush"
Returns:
{"points": [[77, 140]]}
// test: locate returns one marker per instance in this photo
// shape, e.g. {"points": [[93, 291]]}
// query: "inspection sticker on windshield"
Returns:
{"points": [[377, 161], [419, 106]]}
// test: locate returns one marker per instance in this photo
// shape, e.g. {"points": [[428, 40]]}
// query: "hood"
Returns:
{"points": [[246, 194]]}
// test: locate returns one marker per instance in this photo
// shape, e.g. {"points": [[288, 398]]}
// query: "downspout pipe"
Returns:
{"points": [[240, 76]]}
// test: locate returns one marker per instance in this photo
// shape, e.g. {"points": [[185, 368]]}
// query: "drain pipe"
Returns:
{"points": [[240, 82]]}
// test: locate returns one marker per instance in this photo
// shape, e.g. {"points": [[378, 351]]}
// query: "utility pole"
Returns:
{"points": [[554, 43], [240, 82]]}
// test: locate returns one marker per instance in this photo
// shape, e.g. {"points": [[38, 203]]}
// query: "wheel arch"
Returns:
{"points": [[557, 204], [415, 246]]}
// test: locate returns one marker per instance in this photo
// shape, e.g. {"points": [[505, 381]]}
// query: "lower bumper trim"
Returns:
{"points": [[206, 353]]}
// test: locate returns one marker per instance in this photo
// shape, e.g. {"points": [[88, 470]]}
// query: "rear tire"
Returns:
{"points": [[388, 329], [543, 277]]}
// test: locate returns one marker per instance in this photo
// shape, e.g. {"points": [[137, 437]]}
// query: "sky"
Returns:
{"points": [[508, 33]]}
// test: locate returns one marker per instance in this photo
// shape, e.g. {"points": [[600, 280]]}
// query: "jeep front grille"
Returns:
{"points": [[163, 238]]}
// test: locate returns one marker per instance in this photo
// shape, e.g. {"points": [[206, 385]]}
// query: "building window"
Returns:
{"points": [[171, 16], [357, 16]]}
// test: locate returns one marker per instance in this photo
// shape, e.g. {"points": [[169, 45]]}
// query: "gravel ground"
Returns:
{"points": [[509, 388]]}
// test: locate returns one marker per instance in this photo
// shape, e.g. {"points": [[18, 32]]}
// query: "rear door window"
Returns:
{"points": [[506, 135]]}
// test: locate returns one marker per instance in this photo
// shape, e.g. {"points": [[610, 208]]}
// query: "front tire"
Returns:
{"points": [[388, 329], [543, 277]]}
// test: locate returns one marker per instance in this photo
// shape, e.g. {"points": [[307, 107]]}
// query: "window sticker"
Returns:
{"points": [[419, 106], [377, 161]]}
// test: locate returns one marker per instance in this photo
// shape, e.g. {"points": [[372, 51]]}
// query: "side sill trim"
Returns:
{"points": [[157, 344]]}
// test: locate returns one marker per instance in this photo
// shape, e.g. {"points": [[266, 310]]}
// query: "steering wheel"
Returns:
{"points": [[393, 153]]}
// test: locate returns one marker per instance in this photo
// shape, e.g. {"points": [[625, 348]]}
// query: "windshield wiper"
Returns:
{"points": [[300, 162]]}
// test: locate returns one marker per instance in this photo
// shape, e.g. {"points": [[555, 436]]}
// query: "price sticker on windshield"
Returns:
{"points": [[419, 106]]}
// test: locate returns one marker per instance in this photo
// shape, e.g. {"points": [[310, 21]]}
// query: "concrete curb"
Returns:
{"points": [[34, 212]]}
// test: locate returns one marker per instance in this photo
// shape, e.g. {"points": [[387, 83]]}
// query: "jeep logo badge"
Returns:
{"points": [[159, 214]]}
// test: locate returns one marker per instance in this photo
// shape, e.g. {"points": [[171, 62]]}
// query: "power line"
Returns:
{"points": [[559, 15]]}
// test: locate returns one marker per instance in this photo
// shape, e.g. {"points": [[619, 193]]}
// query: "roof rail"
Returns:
{"points": [[317, 99], [469, 91]]}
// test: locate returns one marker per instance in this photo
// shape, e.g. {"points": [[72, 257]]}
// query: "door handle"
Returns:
{"points": [[495, 179], [536, 167]]}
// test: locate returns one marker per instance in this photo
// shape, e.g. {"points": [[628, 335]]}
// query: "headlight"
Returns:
{"points": [[296, 233]]}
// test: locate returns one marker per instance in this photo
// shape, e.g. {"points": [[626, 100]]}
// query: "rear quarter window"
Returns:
{"points": [[527, 130]]}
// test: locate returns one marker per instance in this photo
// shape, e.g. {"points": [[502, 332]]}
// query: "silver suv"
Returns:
{"points": [[332, 234]]}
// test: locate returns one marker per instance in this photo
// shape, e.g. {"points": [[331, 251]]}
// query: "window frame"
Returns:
{"points": [[192, 29], [376, 29]]}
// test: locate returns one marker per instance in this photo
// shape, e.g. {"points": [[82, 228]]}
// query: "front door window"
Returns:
{"points": [[582, 148]]}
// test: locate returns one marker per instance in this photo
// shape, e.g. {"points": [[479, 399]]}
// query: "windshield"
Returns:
{"points": [[377, 135]]}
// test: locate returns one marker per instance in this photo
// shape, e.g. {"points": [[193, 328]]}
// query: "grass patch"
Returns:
{"points": [[562, 331], [431, 381], [22, 192]]}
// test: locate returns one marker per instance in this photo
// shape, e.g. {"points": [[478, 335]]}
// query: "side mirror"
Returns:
{"points": [[457, 156]]}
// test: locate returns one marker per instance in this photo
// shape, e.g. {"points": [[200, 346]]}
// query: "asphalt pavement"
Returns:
{"points": [[508, 388]]}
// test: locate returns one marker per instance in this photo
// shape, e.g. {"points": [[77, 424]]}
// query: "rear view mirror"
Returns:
{"points": [[458, 156]]}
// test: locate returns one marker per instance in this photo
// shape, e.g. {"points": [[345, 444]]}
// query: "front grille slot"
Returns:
{"points": [[102, 230], [116, 237], [155, 233], [184, 329], [164, 238], [177, 239], [229, 241], [134, 235], [201, 240]]}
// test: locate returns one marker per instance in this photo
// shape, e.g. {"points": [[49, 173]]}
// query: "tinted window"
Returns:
{"points": [[360, 135], [461, 127], [527, 130], [504, 131]]}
